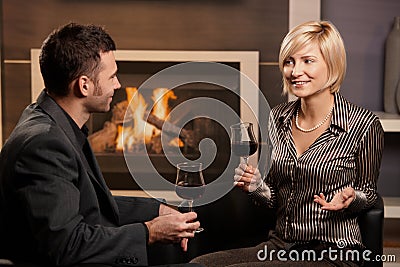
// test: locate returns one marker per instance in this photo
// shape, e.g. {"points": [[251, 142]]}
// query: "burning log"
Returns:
{"points": [[118, 112], [187, 136], [104, 140], [134, 129]]}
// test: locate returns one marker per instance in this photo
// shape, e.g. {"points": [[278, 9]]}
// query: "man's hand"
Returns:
{"points": [[247, 177], [172, 226], [340, 201], [165, 210]]}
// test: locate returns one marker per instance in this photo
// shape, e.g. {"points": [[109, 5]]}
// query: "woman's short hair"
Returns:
{"points": [[328, 39]]}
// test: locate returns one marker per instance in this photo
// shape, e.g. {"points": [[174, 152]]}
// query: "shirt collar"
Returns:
{"points": [[340, 115], [80, 134], [339, 120], [288, 113]]}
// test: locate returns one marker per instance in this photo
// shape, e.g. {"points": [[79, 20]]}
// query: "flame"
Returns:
{"points": [[161, 96], [176, 142], [130, 137], [119, 142], [141, 129]]}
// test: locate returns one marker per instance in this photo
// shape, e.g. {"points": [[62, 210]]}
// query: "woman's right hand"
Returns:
{"points": [[247, 177]]}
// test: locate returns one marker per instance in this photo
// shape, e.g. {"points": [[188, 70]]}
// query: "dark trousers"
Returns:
{"points": [[276, 252]]}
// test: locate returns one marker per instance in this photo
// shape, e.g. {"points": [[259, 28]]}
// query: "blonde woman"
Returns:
{"points": [[325, 161]]}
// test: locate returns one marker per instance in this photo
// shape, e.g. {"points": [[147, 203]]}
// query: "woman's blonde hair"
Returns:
{"points": [[331, 45]]}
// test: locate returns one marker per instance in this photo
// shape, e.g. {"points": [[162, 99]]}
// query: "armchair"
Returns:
{"points": [[371, 225]]}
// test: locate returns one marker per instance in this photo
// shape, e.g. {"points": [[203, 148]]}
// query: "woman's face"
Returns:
{"points": [[306, 71]]}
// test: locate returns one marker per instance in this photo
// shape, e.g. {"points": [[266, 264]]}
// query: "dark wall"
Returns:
{"points": [[364, 25], [158, 24]]}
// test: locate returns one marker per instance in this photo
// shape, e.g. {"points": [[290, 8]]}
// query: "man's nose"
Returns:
{"points": [[118, 85]]}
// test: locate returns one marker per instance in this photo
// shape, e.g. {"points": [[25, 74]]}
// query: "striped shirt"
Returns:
{"points": [[347, 154]]}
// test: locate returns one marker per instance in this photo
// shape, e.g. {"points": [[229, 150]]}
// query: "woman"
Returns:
{"points": [[325, 161]]}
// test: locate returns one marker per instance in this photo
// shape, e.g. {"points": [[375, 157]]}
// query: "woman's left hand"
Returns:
{"points": [[340, 201]]}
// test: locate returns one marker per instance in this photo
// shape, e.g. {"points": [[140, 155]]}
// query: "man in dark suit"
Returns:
{"points": [[55, 207]]}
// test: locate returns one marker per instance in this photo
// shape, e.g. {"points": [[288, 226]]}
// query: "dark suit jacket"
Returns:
{"points": [[54, 208]]}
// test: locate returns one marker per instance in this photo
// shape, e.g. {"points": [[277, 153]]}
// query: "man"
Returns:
{"points": [[55, 206]]}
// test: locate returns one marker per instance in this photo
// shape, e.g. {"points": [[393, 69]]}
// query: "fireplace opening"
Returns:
{"points": [[155, 104], [134, 68]]}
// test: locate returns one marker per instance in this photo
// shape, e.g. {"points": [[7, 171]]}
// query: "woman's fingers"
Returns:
{"points": [[340, 201], [320, 199], [247, 177]]}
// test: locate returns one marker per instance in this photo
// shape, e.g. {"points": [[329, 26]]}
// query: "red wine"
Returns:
{"points": [[189, 191], [245, 148]]}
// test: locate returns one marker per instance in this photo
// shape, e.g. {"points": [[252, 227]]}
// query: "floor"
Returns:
{"points": [[392, 253], [391, 237]]}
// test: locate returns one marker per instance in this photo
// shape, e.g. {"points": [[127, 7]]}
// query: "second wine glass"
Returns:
{"points": [[189, 183], [243, 140]]}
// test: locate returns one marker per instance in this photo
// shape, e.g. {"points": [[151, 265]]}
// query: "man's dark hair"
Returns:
{"points": [[71, 51]]}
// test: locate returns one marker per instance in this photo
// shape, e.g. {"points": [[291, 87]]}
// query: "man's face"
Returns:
{"points": [[100, 97]]}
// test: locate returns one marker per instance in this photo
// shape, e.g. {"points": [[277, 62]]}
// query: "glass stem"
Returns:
{"points": [[190, 205]]}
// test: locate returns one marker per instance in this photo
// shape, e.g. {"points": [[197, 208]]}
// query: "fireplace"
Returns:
{"points": [[135, 67]]}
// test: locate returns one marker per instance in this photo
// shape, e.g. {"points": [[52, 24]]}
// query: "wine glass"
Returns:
{"points": [[243, 140], [189, 183]]}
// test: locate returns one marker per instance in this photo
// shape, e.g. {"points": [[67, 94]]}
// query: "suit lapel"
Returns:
{"points": [[93, 170], [97, 172]]}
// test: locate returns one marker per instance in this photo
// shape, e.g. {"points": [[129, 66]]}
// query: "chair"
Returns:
{"points": [[371, 226]]}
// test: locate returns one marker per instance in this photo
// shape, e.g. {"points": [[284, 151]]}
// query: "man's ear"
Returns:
{"points": [[84, 85]]}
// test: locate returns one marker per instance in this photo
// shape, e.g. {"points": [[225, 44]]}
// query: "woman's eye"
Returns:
{"points": [[289, 62], [309, 61]]}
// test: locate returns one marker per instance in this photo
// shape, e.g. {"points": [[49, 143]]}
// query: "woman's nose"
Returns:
{"points": [[297, 70]]}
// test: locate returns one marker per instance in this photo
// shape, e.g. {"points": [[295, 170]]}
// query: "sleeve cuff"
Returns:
{"points": [[146, 230], [262, 194], [358, 203]]}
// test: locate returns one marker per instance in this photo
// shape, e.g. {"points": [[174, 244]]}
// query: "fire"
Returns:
{"points": [[131, 137], [161, 96]]}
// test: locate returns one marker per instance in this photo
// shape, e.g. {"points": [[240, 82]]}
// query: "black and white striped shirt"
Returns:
{"points": [[348, 153]]}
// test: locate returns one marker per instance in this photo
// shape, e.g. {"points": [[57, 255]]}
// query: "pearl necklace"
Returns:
{"points": [[316, 126]]}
